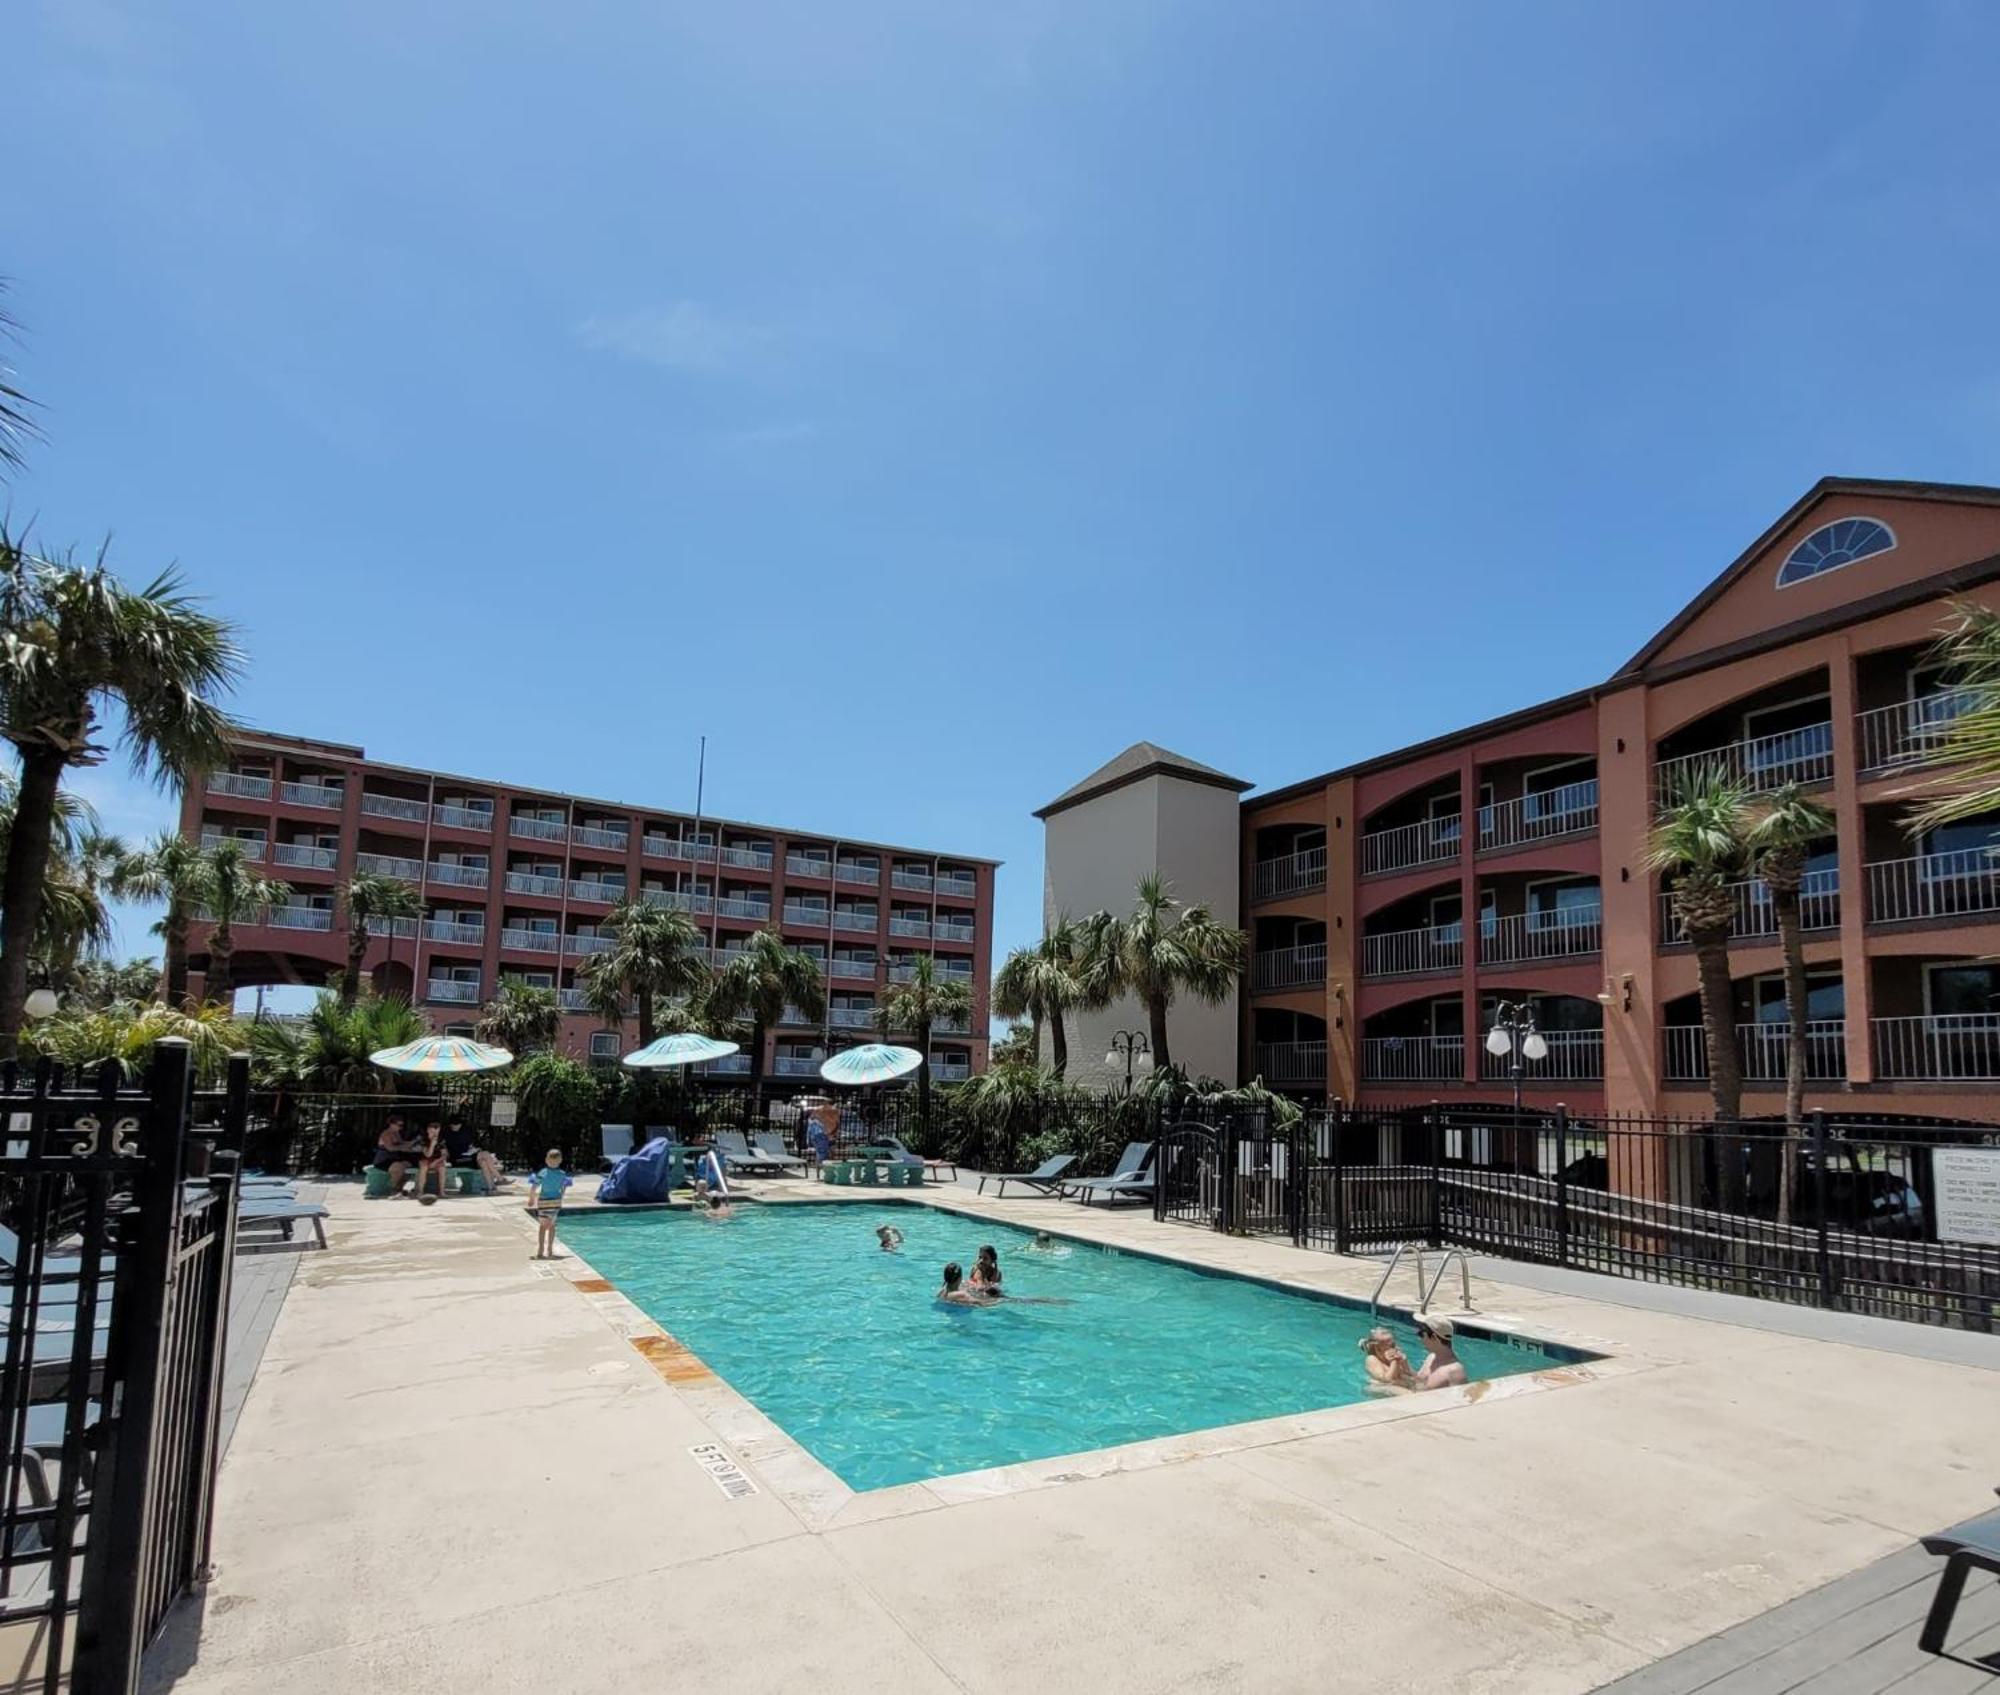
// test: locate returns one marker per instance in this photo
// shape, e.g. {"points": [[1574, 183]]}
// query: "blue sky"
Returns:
{"points": [[925, 400]]}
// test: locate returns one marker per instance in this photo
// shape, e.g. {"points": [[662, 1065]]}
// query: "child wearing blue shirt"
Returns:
{"points": [[545, 1193]]}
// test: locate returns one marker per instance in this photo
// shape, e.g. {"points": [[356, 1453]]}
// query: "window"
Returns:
{"points": [[1552, 906], [1833, 545], [604, 1044], [1825, 997], [1956, 991]]}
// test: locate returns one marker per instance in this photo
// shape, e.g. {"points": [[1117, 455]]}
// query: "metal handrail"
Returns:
{"points": [[1425, 1296], [1388, 1271]]}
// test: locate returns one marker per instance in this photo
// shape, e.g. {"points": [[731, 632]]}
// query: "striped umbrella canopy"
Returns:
{"points": [[683, 1049], [872, 1062], [441, 1055]]}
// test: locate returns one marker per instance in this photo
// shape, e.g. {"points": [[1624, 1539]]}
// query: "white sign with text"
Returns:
{"points": [[1968, 1194]]}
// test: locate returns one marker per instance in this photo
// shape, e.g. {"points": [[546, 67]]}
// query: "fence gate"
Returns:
{"points": [[1187, 1175]]}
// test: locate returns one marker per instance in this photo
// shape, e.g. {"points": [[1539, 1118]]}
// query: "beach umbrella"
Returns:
{"points": [[441, 1056], [872, 1062], [683, 1049]]}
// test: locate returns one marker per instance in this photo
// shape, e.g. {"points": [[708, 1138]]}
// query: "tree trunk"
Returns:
{"points": [[1035, 1029], [21, 891], [174, 934], [219, 986], [645, 1016], [1791, 938], [1058, 1045], [357, 946], [1156, 1023], [1725, 1066]]}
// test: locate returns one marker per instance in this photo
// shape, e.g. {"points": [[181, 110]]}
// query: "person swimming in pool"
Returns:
{"points": [[1442, 1369], [709, 1203], [954, 1293], [1044, 1243], [1384, 1361], [889, 1236], [986, 1273]]}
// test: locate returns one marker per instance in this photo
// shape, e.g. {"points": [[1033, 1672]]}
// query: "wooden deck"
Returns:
{"points": [[256, 1292]]}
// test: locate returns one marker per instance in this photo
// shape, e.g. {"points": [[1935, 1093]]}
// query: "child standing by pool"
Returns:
{"points": [[545, 1193]]}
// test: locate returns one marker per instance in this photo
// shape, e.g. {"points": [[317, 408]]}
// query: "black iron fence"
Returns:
{"points": [[117, 1232]]}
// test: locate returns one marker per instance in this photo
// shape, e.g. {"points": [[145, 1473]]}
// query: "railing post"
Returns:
{"points": [[1822, 1257], [1335, 1160], [1295, 1165], [1226, 1147], [127, 1494], [225, 1182], [1562, 1184], [1431, 1118]]}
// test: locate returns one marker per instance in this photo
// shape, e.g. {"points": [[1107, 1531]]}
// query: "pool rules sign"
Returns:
{"points": [[1968, 1194]]}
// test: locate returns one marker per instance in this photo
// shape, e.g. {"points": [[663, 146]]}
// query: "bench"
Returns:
{"points": [[1969, 1548]]}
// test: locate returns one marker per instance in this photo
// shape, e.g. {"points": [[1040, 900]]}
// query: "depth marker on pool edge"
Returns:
{"points": [[729, 1476]]}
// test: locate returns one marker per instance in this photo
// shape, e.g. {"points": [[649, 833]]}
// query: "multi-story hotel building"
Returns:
{"points": [[1394, 904], [517, 883]]}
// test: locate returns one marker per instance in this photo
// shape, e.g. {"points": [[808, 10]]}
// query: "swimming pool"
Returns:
{"points": [[843, 1347]]}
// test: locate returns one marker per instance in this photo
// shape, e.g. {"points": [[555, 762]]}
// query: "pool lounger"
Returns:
{"points": [[284, 1214], [737, 1156], [767, 1145], [1045, 1179], [1968, 1548], [1128, 1177], [932, 1167]]}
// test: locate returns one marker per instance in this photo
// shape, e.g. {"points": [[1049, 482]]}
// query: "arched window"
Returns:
{"points": [[1833, 545]]}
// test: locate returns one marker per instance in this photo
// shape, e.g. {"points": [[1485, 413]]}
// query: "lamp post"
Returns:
{"points": [[1130, 1048], [1515, 1035]]}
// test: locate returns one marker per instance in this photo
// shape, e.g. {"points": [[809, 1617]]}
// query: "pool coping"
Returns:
{"points": [[823, 1501]]}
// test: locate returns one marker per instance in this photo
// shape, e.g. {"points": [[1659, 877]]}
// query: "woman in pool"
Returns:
{"points": [[986, 1273], [1044, 1243], [954, 1293], [889, 1236], [708, 1203]]}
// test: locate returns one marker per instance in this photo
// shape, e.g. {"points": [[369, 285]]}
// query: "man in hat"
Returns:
{"points": [[1442, 1369]]}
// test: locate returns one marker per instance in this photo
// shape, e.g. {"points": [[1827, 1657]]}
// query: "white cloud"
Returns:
{"points": [[684, 335]]}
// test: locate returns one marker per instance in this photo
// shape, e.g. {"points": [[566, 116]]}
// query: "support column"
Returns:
{"points": [[1851, 845]]}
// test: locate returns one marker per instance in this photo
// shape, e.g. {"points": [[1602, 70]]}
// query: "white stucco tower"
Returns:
{"points": [[1146, 810]]}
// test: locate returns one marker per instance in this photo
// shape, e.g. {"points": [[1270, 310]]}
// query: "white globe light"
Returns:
{"points": [[1145, 1062], [1497, 1042], [42, 1003], [1111, 1061], [1533, 1047]]}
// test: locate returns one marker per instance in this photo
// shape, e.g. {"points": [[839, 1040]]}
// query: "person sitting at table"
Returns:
{"points": [[431, 1156], [463, 1151], [395, 1152]]}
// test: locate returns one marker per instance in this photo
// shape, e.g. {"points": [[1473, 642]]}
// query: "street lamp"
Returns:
{"points": [[42, 1003], [1515, 1035], [1132, 1049]]}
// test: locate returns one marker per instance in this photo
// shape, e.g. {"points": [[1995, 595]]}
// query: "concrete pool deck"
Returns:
{"points": [[454, 1471]]}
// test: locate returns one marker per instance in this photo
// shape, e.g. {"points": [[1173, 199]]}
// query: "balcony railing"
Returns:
{"points": [[804, 865], [395, 806], [463, 817], [1762, 1049], [1759, 763], [459, 876], [794, 1065], [681, 900], [854, 1018], [327, 795], [1295, 874], [854, 920], [1934, 885], [304, 855], [538, 829], [1573, 1056], [903, 877], [605, 894], [1412, 953], [300, 918], [1755, 916], [450, 930], [239, 783], [957, 970], [1429, 841], [534, 883], [855, 970], [1910, 732], [919, 927], [531, 941], [950, 1070], [253, 849], [1540, 817], [1412, 1059], [392, 928], [848, 871], [390, 865], [587, 944], [729, 1065], [1523, 937], [1292, 1062], [601, 836], [757, 859], [736, 906], [1941, 1047], [946, 930], [797, 912], [573, 1000], [451, 989], [960, 1026], [957, 886], [1291, 968]]}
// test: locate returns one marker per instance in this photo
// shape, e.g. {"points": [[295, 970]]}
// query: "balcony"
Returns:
{"points": [[394, 929], [394, 806], [802, 865], [459, 876], [854, 970], [956, 970], [573, 1000], [739, 906], [814, 917], [253, 848], [1755, 917], [1429, 841], [450, 930], [729, 1065], [587, 944], [662, 847], [450, 989], [757, 859], [918, 927], [390, 865], [1291, 968], [240, 784], [533, 883], [1302, 1063], [1759, 763], [1762, 1049], [905, 877], [1910, 732], [854, 1018], [1413, 953], [1543, 817], [1526, 937], [793, 1065], [326, 795], [601, 836], [304, 856], [954, 930], [865, 921], [1934, 885], [300, 918], [959, 1026], [531, 941], [1412, 1059], [1294, 874], [957, 885], [602, 893], [681, 900], [464, 817], [951, 1070], [1945, 1047], [1574, 1056], [538, 829], [851, 871]]}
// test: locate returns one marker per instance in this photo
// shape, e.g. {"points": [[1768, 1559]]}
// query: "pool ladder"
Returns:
{"points": [[1426, 1292]]}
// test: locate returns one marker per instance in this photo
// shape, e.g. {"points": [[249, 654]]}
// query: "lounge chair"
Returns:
{"points": [[283, 1213], [1128, 1177], [736, 1153], [932, 1167], [1045, 1179], [771, 1146], [615, 1141], [1970, 1547]]}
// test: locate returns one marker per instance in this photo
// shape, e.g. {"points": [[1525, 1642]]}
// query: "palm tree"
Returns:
{"points": [[1784, 828], [1970, 740], [759, 983], [521, 1017], [169, 869], [17, 427], [915, 1006], [656, 952], [1164, 949], [74, 922], [1699, 840], [370, 895], [231, 889], [1045, 982], [75, 637]]}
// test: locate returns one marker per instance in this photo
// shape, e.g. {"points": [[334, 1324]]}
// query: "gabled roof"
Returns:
{"points": [[1138, 762], [1958, 494]]}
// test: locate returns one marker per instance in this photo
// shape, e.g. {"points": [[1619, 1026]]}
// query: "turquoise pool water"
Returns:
{"points": [[843, 1346]]}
